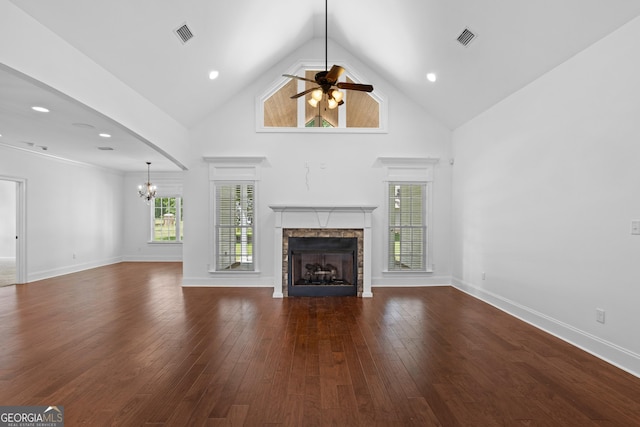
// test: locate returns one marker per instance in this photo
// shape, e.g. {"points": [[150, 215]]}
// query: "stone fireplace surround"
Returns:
{"points": [[322, 221]]}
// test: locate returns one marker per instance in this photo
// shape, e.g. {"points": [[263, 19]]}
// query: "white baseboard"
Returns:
{"points": [[151, 258], [74, 268], [404, 280], [607, 351], [228, 281]]}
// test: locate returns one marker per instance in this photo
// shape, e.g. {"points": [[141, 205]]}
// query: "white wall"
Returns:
{"points": [[545, 185], [72, 210], [342, 170], [7, 219], [137, 218]]}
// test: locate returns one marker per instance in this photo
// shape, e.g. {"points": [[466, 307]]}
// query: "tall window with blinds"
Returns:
{"points": [[407, 226], [234, 225]]}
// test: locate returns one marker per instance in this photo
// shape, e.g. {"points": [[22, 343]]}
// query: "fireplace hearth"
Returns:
{"points": [[322, 266]]}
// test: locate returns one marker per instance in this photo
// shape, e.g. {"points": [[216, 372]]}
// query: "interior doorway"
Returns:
{"points": [[12, 263]]}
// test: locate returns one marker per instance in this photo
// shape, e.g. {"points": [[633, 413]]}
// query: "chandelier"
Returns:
{"points": [[148, 190]]}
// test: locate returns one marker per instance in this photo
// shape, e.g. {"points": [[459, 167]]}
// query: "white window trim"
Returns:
{"points": [[213, 265], [299, 69], [169, 185], [233, 170], [152, 223], [404, 170]]}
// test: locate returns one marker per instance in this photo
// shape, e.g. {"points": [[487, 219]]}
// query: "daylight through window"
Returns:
{"points": [[407, 235], [234, 226], [168, 224]]}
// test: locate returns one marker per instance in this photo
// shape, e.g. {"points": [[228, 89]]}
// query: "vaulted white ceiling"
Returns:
{"points": [[517, 41]]}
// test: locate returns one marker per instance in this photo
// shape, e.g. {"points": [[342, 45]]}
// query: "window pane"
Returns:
{"points": [[234, 226], [164, 219], [181, 220], [407, 226], [167, 219]]}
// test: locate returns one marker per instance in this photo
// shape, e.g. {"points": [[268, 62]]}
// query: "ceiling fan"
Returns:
{"points": [[328, 79]]}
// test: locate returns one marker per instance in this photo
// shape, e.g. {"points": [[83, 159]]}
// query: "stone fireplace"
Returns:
{"points": [[317, 271]]}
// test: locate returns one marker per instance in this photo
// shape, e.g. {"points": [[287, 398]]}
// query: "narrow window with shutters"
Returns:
{"points": [[234, 226], [407, 226]]}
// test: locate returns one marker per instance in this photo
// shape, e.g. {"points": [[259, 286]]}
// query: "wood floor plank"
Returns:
{"points": [[127, 345]]}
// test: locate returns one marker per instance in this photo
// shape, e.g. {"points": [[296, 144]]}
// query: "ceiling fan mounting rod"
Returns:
{"points": [[326, 32]]}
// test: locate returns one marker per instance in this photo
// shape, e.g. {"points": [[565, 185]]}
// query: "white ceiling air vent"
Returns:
{"points": [[466, 37], [184, 33]]}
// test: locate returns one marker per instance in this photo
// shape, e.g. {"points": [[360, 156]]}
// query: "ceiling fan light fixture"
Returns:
{"points": [[317, 94], [337, 95], [328, 78], [313, 102]]}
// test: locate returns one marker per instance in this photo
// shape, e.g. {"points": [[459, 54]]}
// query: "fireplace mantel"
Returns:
{"points": [[322, 208], [322, 216]]}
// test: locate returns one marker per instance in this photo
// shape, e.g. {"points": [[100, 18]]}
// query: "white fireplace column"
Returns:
{"points": [[320, 217]]}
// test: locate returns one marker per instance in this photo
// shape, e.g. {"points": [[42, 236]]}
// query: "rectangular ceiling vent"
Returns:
{"points": [[184, 33], [466, 37]]}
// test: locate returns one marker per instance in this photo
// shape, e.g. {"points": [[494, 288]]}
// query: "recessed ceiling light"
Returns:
{"points": [[105, 135], [431, 77], [214, 74], [40, 109]]}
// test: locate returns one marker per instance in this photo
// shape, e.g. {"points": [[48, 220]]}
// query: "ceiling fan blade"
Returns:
{"points": [[298, 95], [335, 72], [299, 78], [355, 86]]}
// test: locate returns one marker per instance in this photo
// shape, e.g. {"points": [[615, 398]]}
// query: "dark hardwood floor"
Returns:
{"points": [[125, 345]]}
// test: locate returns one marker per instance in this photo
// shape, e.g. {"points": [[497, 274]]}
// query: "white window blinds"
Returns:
{"points": [[234, 226], [407, 226]]}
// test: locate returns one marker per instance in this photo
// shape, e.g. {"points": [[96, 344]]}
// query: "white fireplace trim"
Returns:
{"points": [[322, 216]]}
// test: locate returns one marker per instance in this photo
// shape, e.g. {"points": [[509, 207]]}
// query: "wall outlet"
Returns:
{"points": [[74, 256], [484, 276], [599, 315], [635, 227]]}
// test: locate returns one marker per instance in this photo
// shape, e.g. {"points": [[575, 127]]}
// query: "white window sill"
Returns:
{"points": [[234, 273], [406, 272], [164, 242]]}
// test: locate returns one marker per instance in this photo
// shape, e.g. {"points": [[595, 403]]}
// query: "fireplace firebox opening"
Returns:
{"points": [[323, 265]]}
